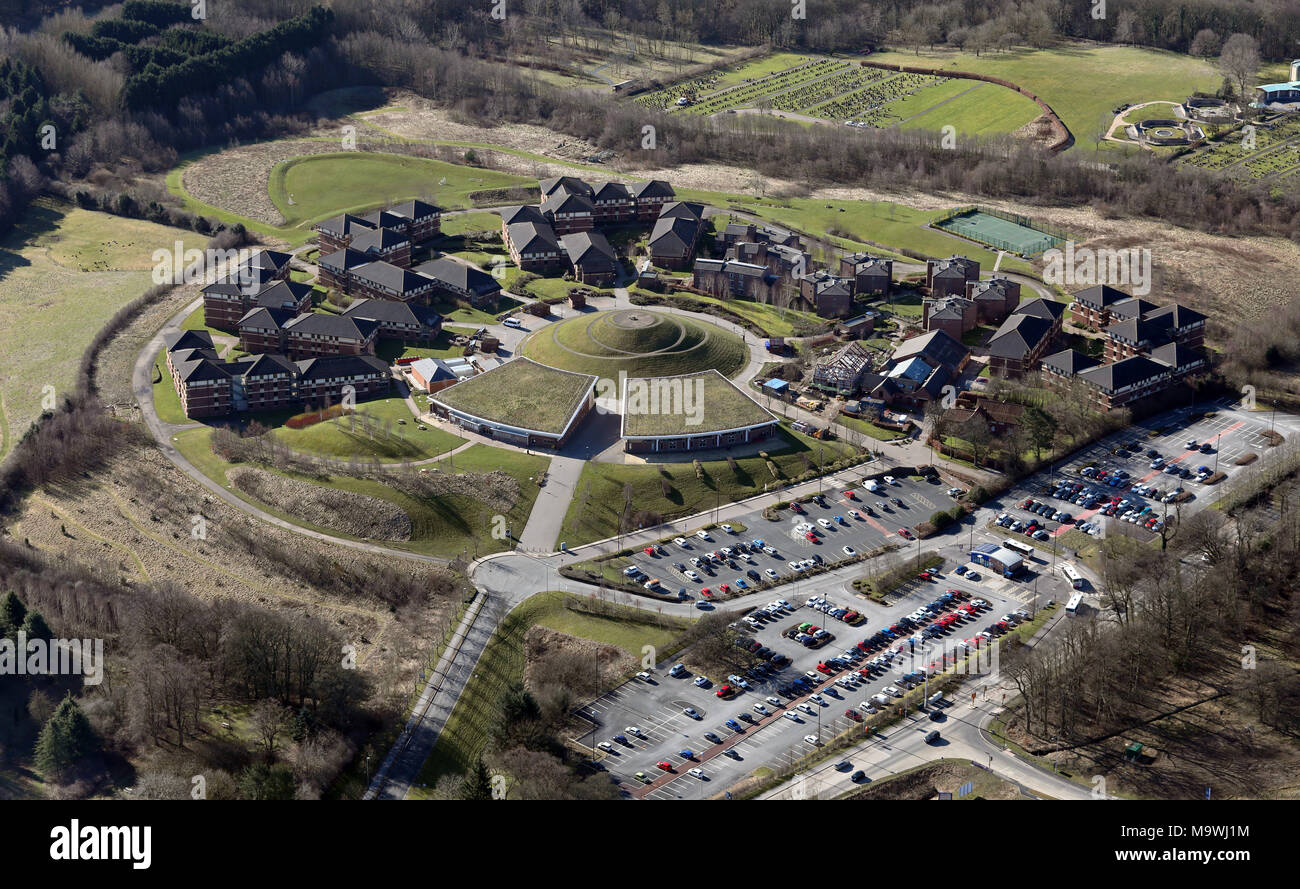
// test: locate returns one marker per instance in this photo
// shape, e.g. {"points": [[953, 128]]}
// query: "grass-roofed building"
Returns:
{"points": [[521, 403], [690, 412]]}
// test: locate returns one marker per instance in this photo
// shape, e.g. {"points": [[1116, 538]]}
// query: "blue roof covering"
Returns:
{"points": [[1293, 85], [986, 548], [777, 385], [915, 370]]}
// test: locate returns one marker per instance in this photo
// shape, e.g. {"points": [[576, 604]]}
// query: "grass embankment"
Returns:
{"points": [[673, 490], [472, 722], [445, 526]]}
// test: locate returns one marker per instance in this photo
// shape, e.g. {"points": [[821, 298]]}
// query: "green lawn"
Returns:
{"points": [[599, 494], [972, 107], [64, 272], [462, 223], [338, 439], [866, 427], [390, 350], [322, 185], [166, 403], [472, 722], [605, 343], [1083, 84], [445, 526]]}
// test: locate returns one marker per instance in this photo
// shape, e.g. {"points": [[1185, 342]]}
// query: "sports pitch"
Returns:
{"points": [[1002, 234]]}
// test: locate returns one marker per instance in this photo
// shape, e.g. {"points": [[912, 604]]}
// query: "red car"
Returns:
{"points": [[706, 592], [849, 495], [649, 550], [822, 668], [853, 714], [665, 765], [726, 691], [811, 536], [904, 533], [795, 507], [724, 588]]}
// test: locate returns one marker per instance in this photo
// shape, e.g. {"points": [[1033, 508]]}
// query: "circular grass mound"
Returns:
{"points": [[638, 342]]}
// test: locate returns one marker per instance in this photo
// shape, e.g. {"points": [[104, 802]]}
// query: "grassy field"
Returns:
{"points": [[166, 403], [390, 350], [599, 494], [860, 225], [971, 107], [471, 222], [308, 189], [444, 526], [472, 722], [407, 441], [606, 343], [64, 271], [1083, 84]]}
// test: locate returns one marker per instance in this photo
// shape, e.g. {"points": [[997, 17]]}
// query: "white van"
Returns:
{"points": [[514, 322], [935, 699], [875, 487]]}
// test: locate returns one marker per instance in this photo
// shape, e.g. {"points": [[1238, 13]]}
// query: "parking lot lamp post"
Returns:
{"points": [[1272, 419]]}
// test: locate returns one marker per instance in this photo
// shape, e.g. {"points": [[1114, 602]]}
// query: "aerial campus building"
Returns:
{"points": [[690, 412]]}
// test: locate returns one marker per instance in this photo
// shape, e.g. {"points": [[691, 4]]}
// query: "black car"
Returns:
{"points": [[679, 566], [1153, 453], [932, 737], [858, 777], [747, 717]]}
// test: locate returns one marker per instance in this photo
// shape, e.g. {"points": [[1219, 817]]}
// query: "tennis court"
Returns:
{"points": [[1018, 237]]}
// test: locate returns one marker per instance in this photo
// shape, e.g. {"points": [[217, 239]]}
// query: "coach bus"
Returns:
{"points": [[1072, 607], [1073, 576], [1025, 552]]}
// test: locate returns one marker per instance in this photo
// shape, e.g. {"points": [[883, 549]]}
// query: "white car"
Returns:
{"points": [[805, 708], [691, 575], [792, 716], [850, 551], [817, 699], [680, 541], [769, 550], [774, 700], [633, 731], [701, 681], [643, 676], [890, 480], [759, 708], [867, 707], [796, 566], [812, 739], [703, 535], [727, 528], [698, 773], [824, 523], [892, 691], [606, 746], [771, 573]]}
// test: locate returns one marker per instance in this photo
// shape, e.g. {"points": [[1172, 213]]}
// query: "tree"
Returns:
{"points": [[65, 740], [268, 720], [1040, 426], [1128, 28], [265, 782], [12, 613], [35, 627], [478, 783], [1240, 61], [1206, 44]]}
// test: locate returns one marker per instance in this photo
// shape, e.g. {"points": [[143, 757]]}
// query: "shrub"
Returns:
{"points": [[941, 520]]}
